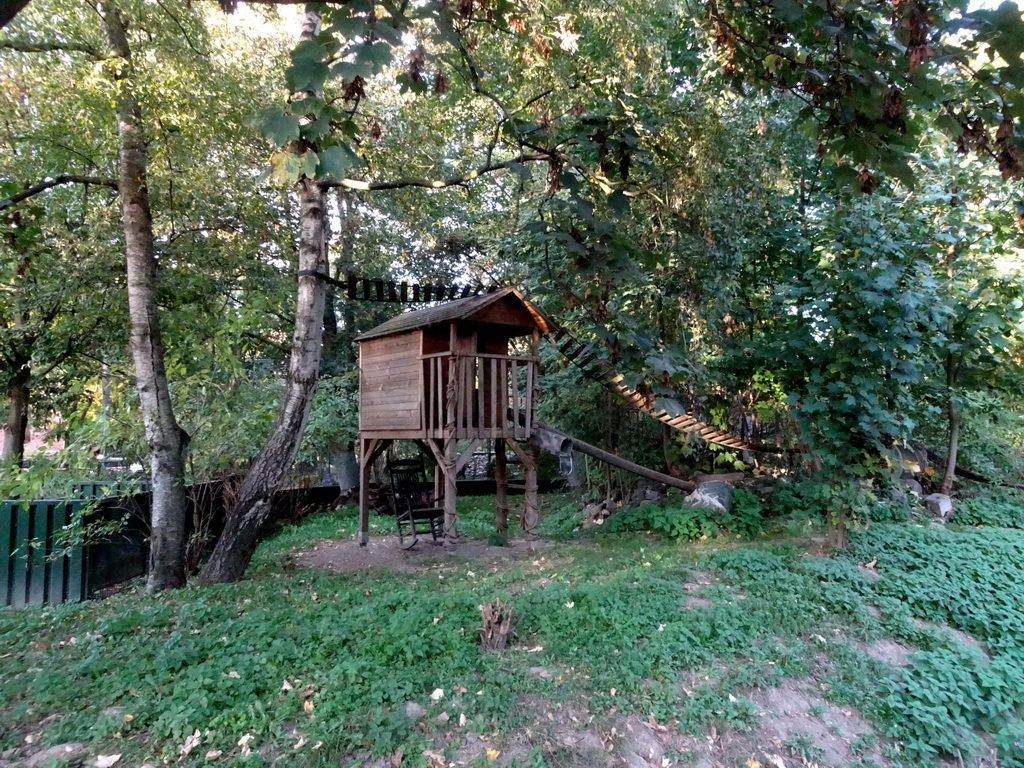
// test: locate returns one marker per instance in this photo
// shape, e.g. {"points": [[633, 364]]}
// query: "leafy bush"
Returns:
{"points": [[675, 522], [746, 517], [1003, 508]]}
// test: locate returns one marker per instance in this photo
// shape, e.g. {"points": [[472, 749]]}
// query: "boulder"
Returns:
{"points": [[714, 495], [69, 753], [912, 485], [940, 505]]}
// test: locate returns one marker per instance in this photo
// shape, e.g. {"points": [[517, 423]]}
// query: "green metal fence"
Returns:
{"points": [[34, 567]]}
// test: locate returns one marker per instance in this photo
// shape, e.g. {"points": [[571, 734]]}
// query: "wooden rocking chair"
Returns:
{"points": [[416, 509]]}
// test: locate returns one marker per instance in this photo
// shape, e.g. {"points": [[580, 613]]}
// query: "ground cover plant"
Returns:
{"points": [[699, 646]]}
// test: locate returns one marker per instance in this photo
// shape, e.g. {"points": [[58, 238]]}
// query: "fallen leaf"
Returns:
{"points": [[752, 763], [459, 689], [776, 761], [492, 754], [234, 675], [190, 743], [307, 705], [396, 759], [535, 649], [300, 743], [105, 761], [462, 719], [244, 744], [129, 718], [872, 564], [437, 695], [286, 686], [434, 759], [214, 753]]}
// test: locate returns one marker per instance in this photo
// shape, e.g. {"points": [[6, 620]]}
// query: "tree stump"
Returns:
{"points": [[497, 618]]}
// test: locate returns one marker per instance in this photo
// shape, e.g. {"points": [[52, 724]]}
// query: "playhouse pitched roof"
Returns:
{"points": [[450, 311]]}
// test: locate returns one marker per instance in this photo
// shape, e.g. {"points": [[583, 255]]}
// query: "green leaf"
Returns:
{"points": [[376, 56], [308, 162], [277, 126], [336, 161], [521, 170], [285, 167], [316, 129]]}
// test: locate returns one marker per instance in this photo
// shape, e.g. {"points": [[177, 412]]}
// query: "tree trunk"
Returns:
{"points": [[17, 416], [953, 417], [166, 440], [252, 511]]}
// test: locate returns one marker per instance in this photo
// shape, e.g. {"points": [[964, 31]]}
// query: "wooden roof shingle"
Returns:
{"points": [[451, 311]]}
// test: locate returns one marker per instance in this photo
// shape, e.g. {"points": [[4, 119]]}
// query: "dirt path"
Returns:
{"points": [[384, 553]]}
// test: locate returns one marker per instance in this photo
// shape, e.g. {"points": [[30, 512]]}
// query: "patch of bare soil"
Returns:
{"points": [[888, 651], [384, 553], [797, 728], [959, 637]]}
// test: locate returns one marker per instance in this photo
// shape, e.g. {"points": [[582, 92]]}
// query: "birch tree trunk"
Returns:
{"points": [[252, 511], [254, 506], [166, 440]]}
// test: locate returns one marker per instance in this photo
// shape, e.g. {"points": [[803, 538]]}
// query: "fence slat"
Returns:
{"points": [[6, 548], [40, 514], [19, 579], [55, 590]]}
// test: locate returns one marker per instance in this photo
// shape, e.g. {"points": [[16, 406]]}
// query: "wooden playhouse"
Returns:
{"points": [[449, 377]]}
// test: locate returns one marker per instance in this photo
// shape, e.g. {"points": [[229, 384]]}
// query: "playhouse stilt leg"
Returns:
{"points": [[530, 511], [451, 516], [369, 450], [365, 463], [500, 492]]}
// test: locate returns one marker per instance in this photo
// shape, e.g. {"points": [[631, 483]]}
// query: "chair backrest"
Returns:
{"points": [[409, 481], [407, 473]]}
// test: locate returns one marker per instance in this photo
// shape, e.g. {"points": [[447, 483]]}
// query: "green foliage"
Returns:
{"points": [[999, 507], [673, 522], [746, 516], [681, 522], [610, 618]]}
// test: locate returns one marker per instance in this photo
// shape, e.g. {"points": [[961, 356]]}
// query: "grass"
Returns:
{"points": [[318, 668]]}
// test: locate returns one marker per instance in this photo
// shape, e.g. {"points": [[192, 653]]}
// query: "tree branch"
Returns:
{"points": [[452, 181], [56, 181], [46, 46]]}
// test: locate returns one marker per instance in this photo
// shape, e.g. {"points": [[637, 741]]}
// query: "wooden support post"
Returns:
{"points": [[501, 492], [364, 490], [369, 450], [451, 516], [530, 511]]}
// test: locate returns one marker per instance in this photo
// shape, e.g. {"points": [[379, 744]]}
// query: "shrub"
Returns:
{"points": [[1003, 508]]}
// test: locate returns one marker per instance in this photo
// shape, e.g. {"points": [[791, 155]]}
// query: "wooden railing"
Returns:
{"points": [[493, 396]]}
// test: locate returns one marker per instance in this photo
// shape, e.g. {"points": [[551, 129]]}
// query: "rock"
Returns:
{"points": [[414, 711], [912, 485], [897, 496], [70, 752], [113, 713], [714, 495], [940, 505], [539, 672]]}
